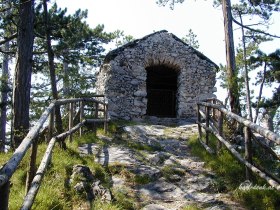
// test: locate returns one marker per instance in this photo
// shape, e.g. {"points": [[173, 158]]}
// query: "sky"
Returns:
{"points": [[142, 17]]}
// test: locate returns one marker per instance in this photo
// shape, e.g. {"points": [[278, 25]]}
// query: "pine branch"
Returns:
{"points": [[6, 39], [7, 52], [254, 30]]}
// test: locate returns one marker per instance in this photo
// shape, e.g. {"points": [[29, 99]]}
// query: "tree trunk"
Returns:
{"points": [[267, 122], [247, 85], [66, 91], [230, 57], [4, 98], [260, 93], [32, 165], [267, 119], [22, 78], [58, 119]]}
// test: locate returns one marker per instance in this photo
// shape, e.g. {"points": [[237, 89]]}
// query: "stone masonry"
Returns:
{"points": [[122, 77]]}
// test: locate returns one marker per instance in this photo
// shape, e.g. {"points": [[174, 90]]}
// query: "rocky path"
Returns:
{"points": [[152, 164]]}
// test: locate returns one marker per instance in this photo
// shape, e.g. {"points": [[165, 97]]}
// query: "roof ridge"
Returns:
{"points": [[114, 53]]}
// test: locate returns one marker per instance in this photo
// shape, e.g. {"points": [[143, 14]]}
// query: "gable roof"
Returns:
{"points": [[114, 53]]}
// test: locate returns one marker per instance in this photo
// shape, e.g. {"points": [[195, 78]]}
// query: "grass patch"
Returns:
{"points": [[86, 138], [124, 199], [55, 191], [113, 127], [169, 131], [259, 199], [191, 207], [142, 179], [231, 174], [131, 178], [116, 168], [228, 169], [99, 205], [121, 170], [171, 170], [138, 146]]}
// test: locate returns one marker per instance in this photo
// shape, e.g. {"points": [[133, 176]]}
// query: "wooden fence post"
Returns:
{"points": [[51, 125], [71, 114], [105, 118], [248, 150], [4, 196], [207, 125], [220, 129], [96, 110], [32, 165], [199, 121], [214, 110], [95, 116], [81, 116]]}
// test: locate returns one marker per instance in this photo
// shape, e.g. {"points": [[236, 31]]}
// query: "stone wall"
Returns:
{"points": [[122, 77]]}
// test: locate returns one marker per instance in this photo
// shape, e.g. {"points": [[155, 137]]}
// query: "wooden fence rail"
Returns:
{"points": [[34, 179], [211, 117]]}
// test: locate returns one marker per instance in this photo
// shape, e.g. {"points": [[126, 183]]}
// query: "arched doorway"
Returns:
{"points": [[161, 91]]}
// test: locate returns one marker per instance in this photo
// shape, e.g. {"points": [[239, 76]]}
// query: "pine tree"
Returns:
{"points": [[77, 50], [191, 39], [8, 34], [22, 78]]}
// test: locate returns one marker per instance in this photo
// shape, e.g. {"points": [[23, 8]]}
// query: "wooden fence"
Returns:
{"points": [[80, 110], [211, 116]]}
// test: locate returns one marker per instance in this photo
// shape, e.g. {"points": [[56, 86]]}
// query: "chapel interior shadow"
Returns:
{"points": [[162, 88]]}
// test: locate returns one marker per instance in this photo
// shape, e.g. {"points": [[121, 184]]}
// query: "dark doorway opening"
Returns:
{"points": [[161, 91]]}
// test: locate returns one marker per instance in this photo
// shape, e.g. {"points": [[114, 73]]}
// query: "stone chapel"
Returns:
{"points": [[158, 75]]}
